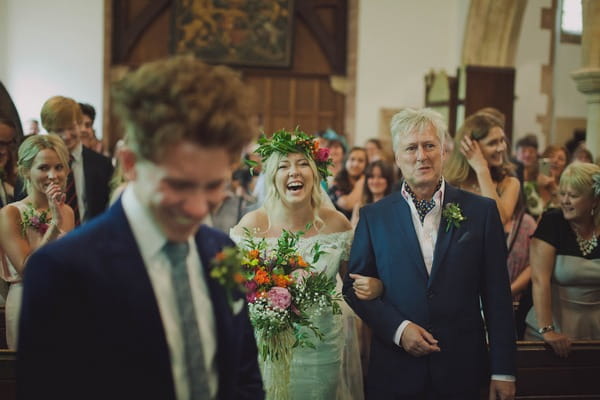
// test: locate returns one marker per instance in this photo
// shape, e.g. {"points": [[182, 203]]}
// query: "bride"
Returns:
{"points": [[293, 173]]}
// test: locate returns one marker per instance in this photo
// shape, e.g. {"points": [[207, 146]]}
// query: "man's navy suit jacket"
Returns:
{"points": [[90, 324], [469, 264]]}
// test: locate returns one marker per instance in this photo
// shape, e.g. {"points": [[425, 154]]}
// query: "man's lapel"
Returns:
{"points": [[444, 237], [207, 248], [406, 235], [130, 274]]}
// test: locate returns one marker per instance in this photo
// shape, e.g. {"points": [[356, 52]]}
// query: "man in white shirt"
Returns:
{"points": [[124, 307], [438, 251]]}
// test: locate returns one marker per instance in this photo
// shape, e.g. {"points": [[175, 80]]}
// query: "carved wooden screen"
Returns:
{"points": [[140, 31]]}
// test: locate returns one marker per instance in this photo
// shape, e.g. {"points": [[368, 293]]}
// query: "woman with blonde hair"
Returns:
{"points": [[41, 217], [565, 264], [479, 163], [293, 201]]}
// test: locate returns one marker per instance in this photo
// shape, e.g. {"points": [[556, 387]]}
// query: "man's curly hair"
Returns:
{"points": [[181, 98]]}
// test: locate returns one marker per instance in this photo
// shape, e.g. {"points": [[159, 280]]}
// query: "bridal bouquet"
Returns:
{"points": [[283, 291]]}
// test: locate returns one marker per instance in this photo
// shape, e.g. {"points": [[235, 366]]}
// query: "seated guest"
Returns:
{"points": [[518, 237], [33, 127], [348, 185], [88, 186], [86, 131], [547, 180], [565, 263], [34, 221], [379, 180], [228, 212], [582, 154], [337, 146], [8, 135], [374, 150], [527, 154], [479, 163], [124, 306]]}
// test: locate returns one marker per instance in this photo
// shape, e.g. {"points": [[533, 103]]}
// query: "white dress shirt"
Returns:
{"points": [[427, 236], [150, 241], [79, 178]]}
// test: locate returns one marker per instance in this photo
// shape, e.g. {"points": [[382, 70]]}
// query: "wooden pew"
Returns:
{"points": [[8, 376], [542, 375]]}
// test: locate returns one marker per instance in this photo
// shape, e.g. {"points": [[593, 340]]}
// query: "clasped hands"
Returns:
{"points": [[56, 199], [418, 342]]}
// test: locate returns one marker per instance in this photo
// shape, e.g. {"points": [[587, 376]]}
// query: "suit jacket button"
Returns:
{"points": [[430, 294]]}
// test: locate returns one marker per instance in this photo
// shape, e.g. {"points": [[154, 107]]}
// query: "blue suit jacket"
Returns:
{"points": [[469, 264], [91, 329]]}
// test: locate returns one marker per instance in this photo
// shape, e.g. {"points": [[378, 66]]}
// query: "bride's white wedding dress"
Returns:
{"points": [[332, 370]]}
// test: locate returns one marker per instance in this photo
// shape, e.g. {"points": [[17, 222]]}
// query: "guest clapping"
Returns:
{"points": [[41, 217], [564, 258]]}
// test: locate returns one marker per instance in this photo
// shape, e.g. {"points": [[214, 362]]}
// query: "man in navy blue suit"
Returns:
{"points": [[440, 253], [123, 307]]}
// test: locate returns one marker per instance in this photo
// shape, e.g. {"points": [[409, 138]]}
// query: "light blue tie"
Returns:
{"points": [[193, 352]]}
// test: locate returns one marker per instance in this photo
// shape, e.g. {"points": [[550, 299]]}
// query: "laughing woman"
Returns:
{"points": [[38, 219], [480, 164], [565, 264], [293, 200]]}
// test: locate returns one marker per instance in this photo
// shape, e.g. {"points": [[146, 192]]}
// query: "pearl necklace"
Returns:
{"points": [[586, 245]]}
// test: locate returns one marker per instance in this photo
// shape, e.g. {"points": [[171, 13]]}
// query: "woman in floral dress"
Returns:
{"points": [[41, 217]]}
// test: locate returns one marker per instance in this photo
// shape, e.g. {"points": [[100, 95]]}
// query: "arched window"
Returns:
{"points": [[571, 21]]}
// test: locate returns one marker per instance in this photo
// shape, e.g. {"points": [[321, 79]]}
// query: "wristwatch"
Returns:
{"points": [[547, 328]]}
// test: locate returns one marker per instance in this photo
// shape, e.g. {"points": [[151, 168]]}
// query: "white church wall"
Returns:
{"points": [[52, 48], [398, 43]]}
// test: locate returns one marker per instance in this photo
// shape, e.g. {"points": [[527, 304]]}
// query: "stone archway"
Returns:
{"points": [[492, 32]]}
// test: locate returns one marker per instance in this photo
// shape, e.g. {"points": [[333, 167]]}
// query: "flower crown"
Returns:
{"points": [[285, 142]]}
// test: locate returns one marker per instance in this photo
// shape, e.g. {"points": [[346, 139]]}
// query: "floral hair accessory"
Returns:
{"points": [[453, 215], [285, 142], [596, 184], [36, 220]]}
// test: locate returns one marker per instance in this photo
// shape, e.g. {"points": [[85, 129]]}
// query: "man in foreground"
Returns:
{"points": [[124, 308]]}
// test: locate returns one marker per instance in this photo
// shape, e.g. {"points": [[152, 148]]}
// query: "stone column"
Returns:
{"points": [[587, 77]]}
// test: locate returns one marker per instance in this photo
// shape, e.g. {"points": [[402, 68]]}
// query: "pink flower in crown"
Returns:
{"points": [[35, 220], [322, 154], [279, 297]]}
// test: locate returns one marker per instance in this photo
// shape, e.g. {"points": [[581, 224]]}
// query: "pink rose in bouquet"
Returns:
{"points": [[251, 287], [279, 297]]}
